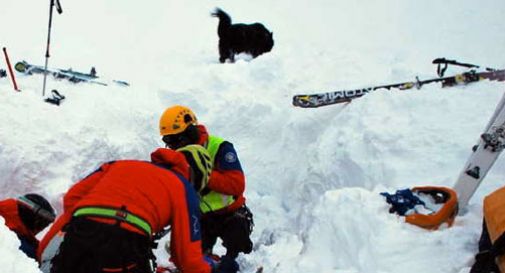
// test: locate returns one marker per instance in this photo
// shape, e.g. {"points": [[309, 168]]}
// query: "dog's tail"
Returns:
{"points": [[224, 21]]}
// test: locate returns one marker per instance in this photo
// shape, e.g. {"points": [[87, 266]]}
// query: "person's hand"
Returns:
{"points": [[211, 261], [226, 265]]}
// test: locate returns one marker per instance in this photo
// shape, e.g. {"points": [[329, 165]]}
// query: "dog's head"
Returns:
{"points": [[269, 42], [266, 43]]}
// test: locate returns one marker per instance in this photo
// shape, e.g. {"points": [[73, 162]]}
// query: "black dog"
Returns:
{"points": [[254, 39]]}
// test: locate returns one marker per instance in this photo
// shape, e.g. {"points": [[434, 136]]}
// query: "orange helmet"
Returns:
{"points": [[176, 119]]}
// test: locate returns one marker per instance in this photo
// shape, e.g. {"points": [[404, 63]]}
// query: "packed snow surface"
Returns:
{"points": [[313, 175]]}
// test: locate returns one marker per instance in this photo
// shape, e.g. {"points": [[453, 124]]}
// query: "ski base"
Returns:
{"points": [[484, 155]]}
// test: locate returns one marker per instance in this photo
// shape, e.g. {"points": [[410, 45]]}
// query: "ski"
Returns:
{"points": [[484, 155], [67, 74], [343, 96]]}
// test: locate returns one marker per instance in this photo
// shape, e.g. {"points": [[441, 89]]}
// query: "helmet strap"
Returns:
{"points": [[192, 134], [188, 137]]}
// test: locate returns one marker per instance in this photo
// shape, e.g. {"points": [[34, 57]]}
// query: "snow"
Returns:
{"points": [[313, 175], [11, 259]]}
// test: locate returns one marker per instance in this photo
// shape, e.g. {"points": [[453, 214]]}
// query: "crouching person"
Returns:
{"points": [[491, 256], [111, 217], [26, 216]]}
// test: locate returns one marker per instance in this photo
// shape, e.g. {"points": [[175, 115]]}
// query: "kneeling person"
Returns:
{"points": [[491, 256], [223, 204], [111, 217]]}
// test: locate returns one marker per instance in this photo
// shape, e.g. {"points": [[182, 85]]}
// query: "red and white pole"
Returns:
{"points": [[10, 70]]}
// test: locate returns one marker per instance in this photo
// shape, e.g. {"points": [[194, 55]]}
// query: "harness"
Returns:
{"points": [[121, 215]]}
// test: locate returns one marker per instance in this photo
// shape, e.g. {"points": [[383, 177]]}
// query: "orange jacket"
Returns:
{"points": [[494, 215], [226, 180], [158, 195]]}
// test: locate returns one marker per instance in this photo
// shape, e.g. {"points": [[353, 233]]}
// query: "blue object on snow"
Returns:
{"points": [[402, 201], [208, 259]]}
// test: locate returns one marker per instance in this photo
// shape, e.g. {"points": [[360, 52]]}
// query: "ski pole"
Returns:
{"points": [[10, 70], [58, 8], [445, 62]]}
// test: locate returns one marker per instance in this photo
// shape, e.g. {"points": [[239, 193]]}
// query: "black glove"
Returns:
{"points": [[226, 265]]}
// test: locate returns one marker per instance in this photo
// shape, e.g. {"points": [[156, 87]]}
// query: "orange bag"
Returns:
{"points": [[494, 215], [445, 214]]}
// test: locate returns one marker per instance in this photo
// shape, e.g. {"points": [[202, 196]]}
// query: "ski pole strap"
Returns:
{"points": [[441, 70], [57, 95], [118, 214]]}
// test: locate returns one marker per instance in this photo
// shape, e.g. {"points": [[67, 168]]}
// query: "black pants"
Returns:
{"points": [[94, 247], [485, 259], [233, 228]]}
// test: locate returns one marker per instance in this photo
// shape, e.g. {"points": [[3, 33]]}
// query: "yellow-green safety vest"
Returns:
{"points": [[214, 200]]}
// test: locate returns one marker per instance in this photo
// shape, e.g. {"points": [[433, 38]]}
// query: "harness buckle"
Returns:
{"points": [[122, 214]]}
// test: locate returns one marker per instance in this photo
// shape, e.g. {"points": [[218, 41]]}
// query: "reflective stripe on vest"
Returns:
{"points": [[214, 200]]}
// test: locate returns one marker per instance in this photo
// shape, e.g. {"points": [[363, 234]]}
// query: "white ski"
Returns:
{"points": [[485, 153]]}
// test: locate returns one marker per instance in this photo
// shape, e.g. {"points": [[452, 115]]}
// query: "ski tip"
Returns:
{"points": [[20, 66], [303, 101]]}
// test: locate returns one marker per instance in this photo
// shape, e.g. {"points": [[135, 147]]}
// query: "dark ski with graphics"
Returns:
{"points": [[343, 96]]}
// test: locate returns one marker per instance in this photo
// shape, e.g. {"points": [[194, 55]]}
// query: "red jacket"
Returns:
{"points": [[226, 180], [152, 192], [9, 211]]}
